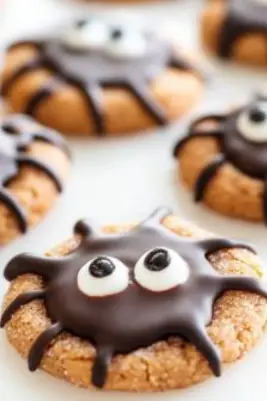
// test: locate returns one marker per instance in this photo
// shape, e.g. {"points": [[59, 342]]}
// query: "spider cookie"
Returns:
{"points": [[34, 165], [223, 159], [100, 77], [236, 29], [152, 307]]}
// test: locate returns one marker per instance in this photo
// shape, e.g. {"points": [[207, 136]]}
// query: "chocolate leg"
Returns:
{"points": [[141, 92], [180, 63], [157, 216], [205, 346], [216, 133], [41, 166], [21, 300], [93, 96], [46, 90], [219, 118], [27, 67], [102, 361], [28, 264], [7, 198], [143, 95], [217, 244], [84, 228], [248, 284], [38, 348], [206, 175]]}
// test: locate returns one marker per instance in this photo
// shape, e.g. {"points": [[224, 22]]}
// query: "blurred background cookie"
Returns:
{"points": [[100, 76], [34, 166], [223, 159], [236, 30]]}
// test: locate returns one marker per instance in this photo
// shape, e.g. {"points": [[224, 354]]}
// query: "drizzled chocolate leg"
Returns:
{"points": [[100, 368], [219, 118], [248, 284], [207, 175], [21, 300], [7, 198], [28, 264], [144, 96], [205, 346], [38, 348], [41, 166], [84, 228], [180, 63], [46, 90], [215, 133], [93, 96], [215, 244], [157, 216], [27, 67]]}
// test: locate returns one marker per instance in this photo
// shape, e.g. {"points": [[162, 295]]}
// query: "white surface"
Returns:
{"points": [[123, 180]]}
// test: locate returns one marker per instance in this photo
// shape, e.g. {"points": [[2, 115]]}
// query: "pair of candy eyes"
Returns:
{"points": [[252, 123], [157, 270], [115, 40]]}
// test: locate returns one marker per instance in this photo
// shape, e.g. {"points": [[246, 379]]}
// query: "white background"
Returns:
{"points": [[123, 180]]}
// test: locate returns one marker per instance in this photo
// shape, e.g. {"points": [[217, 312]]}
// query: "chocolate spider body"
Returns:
{"points": [[242, 140], [92, 70], [16, 135], [242, 17], [146, 257]]}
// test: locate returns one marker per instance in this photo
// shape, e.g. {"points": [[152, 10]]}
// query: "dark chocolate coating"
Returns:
{"points": [[136, 317], [92, 71], [16, 135], [245, 155], [242, 17]]}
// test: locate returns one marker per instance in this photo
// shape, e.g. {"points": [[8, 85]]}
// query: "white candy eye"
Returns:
{"points": [[103, 276], [161, 269], [126, 43], [90, 34], [252, 123]]}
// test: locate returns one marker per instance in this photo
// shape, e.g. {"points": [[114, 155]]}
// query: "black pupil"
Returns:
{"points": [[101, 267], [116, 33], [157, 260], [9, 129], [81, 23], [257, 115]]}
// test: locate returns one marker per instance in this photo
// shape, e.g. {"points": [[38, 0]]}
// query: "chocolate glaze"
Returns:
{"points": [[242, 17], [182, 311], [247, 156], [91, 71], [17, 133]]}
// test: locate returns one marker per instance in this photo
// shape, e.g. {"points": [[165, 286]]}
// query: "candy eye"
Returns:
{"points": [[252, 123], [90, 34], [125, 43], [103, 276], [161, 269]]}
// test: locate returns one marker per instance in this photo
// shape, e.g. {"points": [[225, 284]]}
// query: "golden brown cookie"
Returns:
{"points": [[100, 78], [236, 29], [223, 159], [34, 166], [151, 307]]}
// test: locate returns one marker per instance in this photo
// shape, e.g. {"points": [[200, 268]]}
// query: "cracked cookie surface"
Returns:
{"points": [[238, 322]]}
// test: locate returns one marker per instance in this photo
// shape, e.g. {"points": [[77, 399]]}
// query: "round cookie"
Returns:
{"points": [[236, 29], [34, 166], [223, 159], [151, 307], [83, 80]]}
